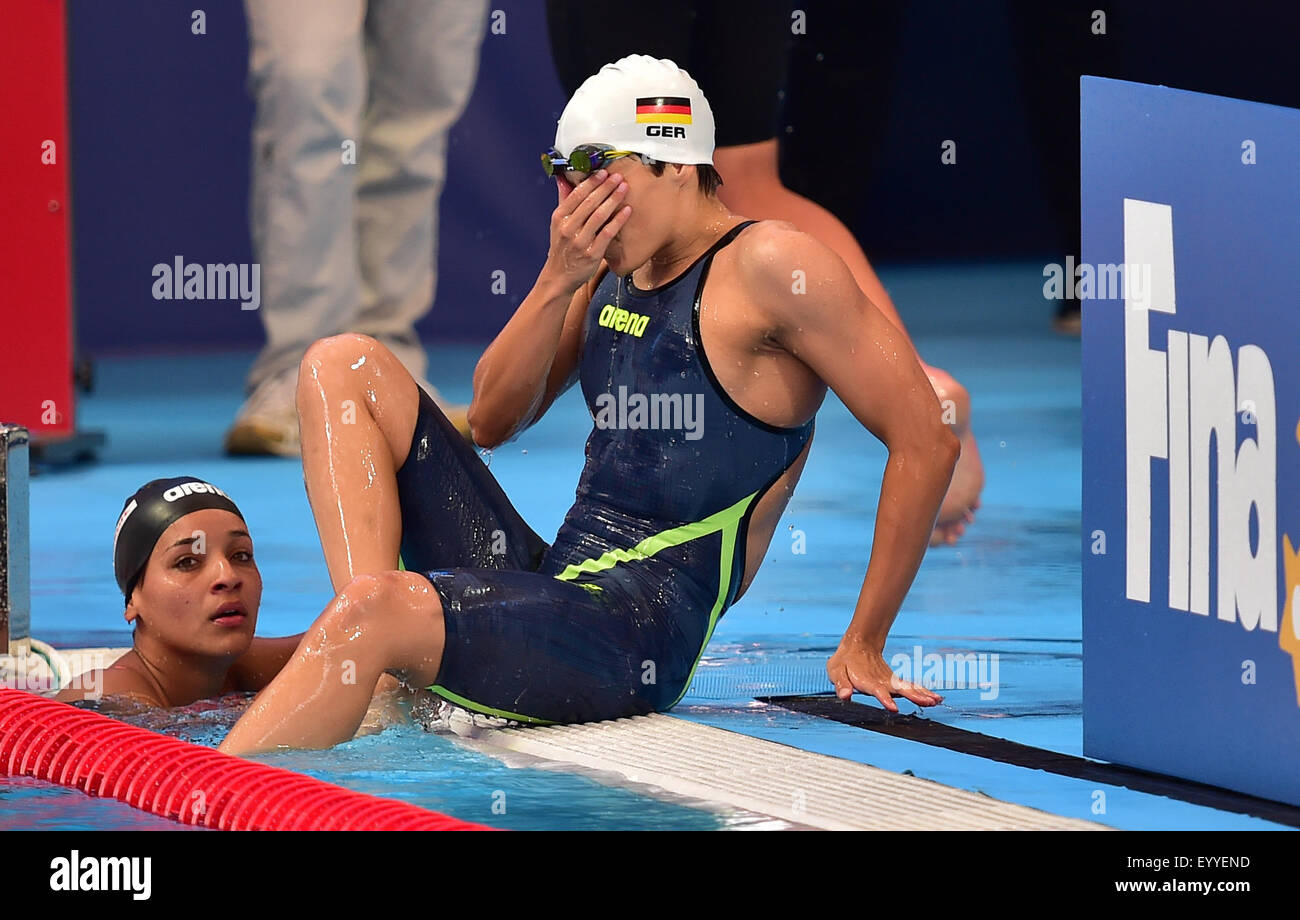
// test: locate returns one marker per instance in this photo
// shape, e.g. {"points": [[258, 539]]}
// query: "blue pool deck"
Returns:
{"points": [[1010, 588]]}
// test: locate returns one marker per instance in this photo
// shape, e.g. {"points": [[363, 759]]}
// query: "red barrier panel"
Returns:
{"points": [[35, 305], [186, 782]]}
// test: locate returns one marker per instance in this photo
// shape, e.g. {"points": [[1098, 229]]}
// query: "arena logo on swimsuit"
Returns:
{"points": [[1175, 401], [621, 320]]}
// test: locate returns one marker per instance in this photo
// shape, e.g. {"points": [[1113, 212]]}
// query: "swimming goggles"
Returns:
{"points": [[585, 159]]}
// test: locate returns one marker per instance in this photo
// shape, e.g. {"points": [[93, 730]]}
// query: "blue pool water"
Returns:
{"points": [[431, 770], [1009, 589]]}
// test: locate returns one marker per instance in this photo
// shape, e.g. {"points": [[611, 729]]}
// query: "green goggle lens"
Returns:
{"points": [[581, 160], [585, 159]]}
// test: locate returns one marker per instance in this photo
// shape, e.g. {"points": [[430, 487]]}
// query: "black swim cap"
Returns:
{"points": [[150, 511]]}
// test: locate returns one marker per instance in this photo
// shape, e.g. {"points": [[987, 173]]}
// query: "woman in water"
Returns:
{"points": [[183, 558]]}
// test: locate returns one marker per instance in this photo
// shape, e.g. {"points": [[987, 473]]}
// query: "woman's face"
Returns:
{"points": [[201, 589], [652, 199]]}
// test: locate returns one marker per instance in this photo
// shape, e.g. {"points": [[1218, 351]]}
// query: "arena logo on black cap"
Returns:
{"points": [[126, 513], [189, 488]]}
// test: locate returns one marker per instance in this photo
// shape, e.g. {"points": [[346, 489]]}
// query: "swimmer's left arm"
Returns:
{"points": [[830, 325], [258, 666]]}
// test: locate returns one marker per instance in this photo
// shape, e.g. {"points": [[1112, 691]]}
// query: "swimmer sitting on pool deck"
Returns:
{"points": [[656, 298]]}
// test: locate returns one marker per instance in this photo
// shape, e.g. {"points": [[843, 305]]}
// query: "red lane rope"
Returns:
{"points": [[185, 782]]}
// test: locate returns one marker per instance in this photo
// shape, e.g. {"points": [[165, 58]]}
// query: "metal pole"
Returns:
{"points": [[15, 549]]}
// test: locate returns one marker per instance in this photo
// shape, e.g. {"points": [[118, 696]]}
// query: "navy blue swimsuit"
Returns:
{"points": [[611, 618]]}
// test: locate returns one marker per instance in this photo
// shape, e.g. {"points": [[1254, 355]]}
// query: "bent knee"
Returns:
{"points": [[401, 590], [335, 350], [327, 363], [385, 598], [351, 617], [375, 616]]}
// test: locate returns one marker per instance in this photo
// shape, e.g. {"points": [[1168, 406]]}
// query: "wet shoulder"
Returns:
{"points": [[123, 678], [767, 254]]}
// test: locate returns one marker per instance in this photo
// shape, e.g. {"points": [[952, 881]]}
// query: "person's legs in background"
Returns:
{"points": [[728, 42], [307, 75], [582, 43], [423, 60], [1055, 43], [345, 244], [752, 186]]}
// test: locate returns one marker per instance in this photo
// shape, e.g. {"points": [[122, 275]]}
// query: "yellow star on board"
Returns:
{"points": [[1287, 637]]}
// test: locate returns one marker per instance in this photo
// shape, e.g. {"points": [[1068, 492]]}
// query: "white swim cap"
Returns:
{"points": [[643, 104]]}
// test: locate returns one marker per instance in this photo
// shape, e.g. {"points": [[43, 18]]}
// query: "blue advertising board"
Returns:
{"points": [[1191, 435]]}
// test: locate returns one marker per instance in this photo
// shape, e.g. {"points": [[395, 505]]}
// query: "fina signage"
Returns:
{"points": [[1191, 437]]}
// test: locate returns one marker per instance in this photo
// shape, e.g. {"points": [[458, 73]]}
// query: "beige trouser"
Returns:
{"points": [[343, 247]]}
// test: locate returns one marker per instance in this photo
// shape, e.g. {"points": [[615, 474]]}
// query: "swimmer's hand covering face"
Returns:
{"points": [[586, 218]]}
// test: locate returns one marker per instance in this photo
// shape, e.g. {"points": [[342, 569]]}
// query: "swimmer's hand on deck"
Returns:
{"points": [[584, 221], [861, 667]]}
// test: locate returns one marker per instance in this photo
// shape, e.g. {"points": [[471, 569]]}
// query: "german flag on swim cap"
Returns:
{"points": [[675, 110], [644, 104]]}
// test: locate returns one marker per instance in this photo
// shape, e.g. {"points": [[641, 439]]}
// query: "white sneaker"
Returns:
{"points": [[267, 422]]}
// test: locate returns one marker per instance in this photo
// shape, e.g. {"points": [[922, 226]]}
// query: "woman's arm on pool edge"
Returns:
{"points": [[835, 330]]}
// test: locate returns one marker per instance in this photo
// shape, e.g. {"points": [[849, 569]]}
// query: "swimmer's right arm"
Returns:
{"points": [[535, 357]]}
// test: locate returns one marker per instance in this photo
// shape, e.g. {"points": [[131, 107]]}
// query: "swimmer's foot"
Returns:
{"points": [[1068, 319], [963, 497]]}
